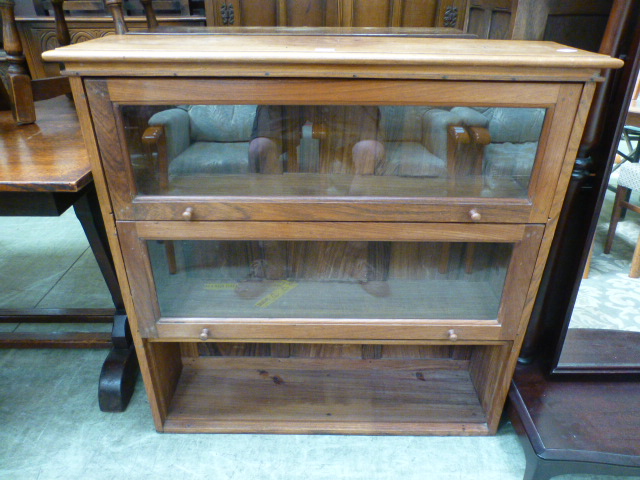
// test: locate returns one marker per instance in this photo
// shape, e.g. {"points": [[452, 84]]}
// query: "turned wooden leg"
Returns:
{"points": [[62, 30], [635, 262], [621, 194], [120, 369], [149, 12], [117, 13], [22, 105]]}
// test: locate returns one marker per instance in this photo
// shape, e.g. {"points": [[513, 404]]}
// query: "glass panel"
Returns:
{"points": [[604, 330], [310, 279], [333, 151]]}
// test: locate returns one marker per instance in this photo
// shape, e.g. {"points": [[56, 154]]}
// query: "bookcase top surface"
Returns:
{"points": [[328, 54]]}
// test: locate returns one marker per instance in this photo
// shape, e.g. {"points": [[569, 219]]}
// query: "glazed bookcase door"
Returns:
{"points": [[322, 281], [441, 153]]}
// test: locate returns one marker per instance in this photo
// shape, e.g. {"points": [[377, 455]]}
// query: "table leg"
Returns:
{"points": [[120, 369]]}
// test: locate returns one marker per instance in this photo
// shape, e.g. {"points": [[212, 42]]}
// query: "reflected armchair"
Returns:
{"points": [[199, 139], [494, 142]]}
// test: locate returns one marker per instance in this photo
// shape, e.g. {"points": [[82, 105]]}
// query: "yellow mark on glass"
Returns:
{"points": [[220, 286], [282, 287]]}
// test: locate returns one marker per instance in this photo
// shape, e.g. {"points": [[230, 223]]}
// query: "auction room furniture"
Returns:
{"points": [[628, 181], [22, 90], [262, 328], [87, 19], [575, 396], [577, 23], [337, 13], [45, 170]]}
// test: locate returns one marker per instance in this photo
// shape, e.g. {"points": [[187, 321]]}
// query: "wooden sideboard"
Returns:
{"points": [[363, 254], [337, 13], [38, 35]]}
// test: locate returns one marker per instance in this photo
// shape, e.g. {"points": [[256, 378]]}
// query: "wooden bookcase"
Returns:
{"points": [[324, 289]]}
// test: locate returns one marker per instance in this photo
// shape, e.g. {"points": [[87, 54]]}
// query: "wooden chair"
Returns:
{"points": [[93, 8], [22, 90], [628, 181], [116, 8], [49, 172]]}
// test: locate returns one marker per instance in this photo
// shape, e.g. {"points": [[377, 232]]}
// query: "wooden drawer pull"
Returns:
{"points": [[453, 336], [204, 335], [187, 214], [475, 215]]}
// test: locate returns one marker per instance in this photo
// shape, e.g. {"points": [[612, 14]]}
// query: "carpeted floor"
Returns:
{"points": [[609, 298]]}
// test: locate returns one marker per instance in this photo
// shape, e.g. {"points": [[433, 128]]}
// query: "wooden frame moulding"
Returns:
{"points": [[159, 367], [133, 236], [380, 92], [570, 153], [300, 56]]}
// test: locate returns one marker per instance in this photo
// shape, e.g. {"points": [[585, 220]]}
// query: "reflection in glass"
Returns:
{"points": [[333, 151], [312, 279]]}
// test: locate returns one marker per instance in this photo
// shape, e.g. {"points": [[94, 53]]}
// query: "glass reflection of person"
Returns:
{"points": [[349, 145], [349, 142]]}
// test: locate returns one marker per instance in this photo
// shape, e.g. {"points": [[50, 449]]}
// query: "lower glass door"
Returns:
{"points": [[320, 280], [337, 279]]}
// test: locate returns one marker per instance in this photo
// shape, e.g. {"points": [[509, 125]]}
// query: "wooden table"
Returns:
{"points": [[44, 170]]}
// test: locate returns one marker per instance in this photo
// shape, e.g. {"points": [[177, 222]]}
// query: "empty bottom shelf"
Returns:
{"points": [[303, 395]]}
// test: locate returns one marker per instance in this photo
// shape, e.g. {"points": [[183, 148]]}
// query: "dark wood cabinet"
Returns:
{"points": [[577, 23], [337, 13]]}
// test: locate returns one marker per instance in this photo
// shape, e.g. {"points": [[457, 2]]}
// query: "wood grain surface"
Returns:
{"points": [[327, 55], [48, 156]]}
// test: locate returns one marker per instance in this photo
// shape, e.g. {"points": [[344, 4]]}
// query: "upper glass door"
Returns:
{"points": [[328, 151], [349, 149]]}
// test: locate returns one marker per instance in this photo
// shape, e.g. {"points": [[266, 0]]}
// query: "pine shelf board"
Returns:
{"points": [[346, 396]]}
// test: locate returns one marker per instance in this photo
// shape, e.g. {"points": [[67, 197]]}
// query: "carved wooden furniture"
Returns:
{"points": [[44, 170], [97, 7], [337, 13], [262, 329], [22, 90], [90, 19], [572, 22]]}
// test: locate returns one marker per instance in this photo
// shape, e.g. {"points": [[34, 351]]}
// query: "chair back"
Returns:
{"points": [[22, 90], [116, 8], [221, 123]]}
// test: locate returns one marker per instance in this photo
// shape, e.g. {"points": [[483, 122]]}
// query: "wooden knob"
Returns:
{"points": [[187, 214], [453, 336], [475, 215], [204, 335]]}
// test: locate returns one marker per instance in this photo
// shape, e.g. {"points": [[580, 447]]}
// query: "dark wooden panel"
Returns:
{"points": [[38, 35], [35, 204], [57, 315], [253, 12], [371, 13], [55, 340], [586, 421], [600, 351]]}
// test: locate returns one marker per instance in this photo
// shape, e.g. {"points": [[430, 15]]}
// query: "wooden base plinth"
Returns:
{"points": [[565, 427]]}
